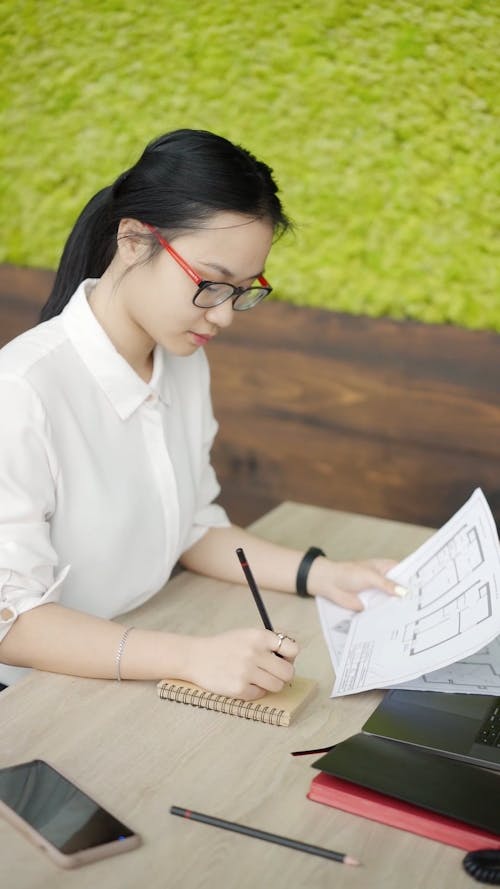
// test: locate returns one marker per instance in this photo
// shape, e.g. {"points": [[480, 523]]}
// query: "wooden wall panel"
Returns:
{"points": [[395, 419]]}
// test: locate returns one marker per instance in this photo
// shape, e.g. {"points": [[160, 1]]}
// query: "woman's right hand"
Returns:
{"points": [[241, 663]]}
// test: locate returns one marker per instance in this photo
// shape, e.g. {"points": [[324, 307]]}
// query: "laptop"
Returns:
{"points": [[459, 726]]}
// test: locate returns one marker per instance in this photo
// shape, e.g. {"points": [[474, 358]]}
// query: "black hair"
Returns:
{"points": [[180, 181]]}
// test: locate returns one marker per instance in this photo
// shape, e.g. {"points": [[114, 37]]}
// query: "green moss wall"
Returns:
{"points": [[379, 119]]}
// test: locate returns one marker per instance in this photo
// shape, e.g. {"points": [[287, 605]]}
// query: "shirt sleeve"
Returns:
{"points": [[28, 473], [208, 514]]}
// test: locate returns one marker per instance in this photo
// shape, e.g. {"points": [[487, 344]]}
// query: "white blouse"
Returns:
{"points": [[105, 480]]}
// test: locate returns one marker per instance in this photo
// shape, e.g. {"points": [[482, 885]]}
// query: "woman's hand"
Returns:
{"points": [[342, 581], [241, 663]]}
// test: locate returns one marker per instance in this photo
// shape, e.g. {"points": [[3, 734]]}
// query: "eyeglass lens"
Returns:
{"points": [[212, 294]]}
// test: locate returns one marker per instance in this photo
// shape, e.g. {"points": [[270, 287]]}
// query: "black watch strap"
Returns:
{"points": [[301, 584]]}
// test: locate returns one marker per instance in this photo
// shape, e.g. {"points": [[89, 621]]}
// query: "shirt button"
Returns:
{"points": [[7, 613], [152, 399]]}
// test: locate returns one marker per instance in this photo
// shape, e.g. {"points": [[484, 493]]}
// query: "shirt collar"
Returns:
{"points": [[118, 380]]}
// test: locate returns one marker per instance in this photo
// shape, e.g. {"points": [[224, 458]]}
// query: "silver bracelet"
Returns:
{"points": [[119, 653]]}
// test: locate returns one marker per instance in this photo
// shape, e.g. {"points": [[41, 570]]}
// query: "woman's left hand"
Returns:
{"points": [[342, 581]]}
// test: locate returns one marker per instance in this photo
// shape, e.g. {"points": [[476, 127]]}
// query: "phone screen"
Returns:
{"points": [[56, 809]]}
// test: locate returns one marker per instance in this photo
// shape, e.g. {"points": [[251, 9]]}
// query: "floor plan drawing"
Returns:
{"points": [[452, 612], [477, 674], [442, 573], [454, 617]]}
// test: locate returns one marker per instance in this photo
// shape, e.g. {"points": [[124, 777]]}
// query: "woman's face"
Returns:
{"points": [[157, 297]]}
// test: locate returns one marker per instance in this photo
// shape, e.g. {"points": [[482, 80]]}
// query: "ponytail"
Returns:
{"points": [[180, 181], [87, 253]]}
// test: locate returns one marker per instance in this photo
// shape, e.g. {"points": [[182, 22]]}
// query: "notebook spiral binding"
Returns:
{"points": [[222, 704]]}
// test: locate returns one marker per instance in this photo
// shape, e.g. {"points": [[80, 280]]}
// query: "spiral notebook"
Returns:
{"points": [[275, 708]]}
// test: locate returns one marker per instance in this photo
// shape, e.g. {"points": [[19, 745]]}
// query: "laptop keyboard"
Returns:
{"points": [[489, 733]]}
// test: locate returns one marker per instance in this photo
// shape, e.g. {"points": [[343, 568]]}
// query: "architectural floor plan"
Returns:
{"points": [[477, 674], [449, 621]]}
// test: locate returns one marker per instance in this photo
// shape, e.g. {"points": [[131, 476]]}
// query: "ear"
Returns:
{"points": [[131, 244]]}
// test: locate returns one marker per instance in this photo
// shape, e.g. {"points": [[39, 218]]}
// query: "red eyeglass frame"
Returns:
{"points": [[191, 272]]}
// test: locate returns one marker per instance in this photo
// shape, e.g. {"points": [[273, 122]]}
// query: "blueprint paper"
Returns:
{"points": [[336, 621], [478, 674], [451, 612]]}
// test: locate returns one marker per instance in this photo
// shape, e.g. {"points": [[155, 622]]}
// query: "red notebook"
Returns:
{"points": [[378, 807]]}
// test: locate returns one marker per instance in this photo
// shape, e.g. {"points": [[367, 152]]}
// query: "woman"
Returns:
{"points": [[105, 475]]}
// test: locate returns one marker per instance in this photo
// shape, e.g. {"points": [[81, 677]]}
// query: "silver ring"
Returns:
{"points": [[280, 636]]}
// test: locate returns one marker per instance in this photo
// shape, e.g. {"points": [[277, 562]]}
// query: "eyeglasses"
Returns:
{"points": [[212, 293]]}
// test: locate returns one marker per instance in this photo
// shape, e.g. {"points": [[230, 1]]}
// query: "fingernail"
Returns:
{"points": [[400, 591]]}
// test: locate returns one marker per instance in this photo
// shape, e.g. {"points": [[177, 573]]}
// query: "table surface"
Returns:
{"points": [[138, 755]]}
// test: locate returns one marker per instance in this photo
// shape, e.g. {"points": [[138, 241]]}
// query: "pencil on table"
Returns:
{"points": [[298, 845]]}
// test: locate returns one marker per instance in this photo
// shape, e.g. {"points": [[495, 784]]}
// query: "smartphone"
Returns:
{"points": [[59, 817]]}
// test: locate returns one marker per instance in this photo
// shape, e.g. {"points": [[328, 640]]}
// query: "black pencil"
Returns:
{"points": [[254, 589], [264, 835]]}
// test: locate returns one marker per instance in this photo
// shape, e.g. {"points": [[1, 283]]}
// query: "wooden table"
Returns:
{"points": [[138, 755]]}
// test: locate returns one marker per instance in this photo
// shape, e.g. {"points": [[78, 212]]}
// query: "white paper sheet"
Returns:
{"points": [[452, 611], [478, 674]]}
